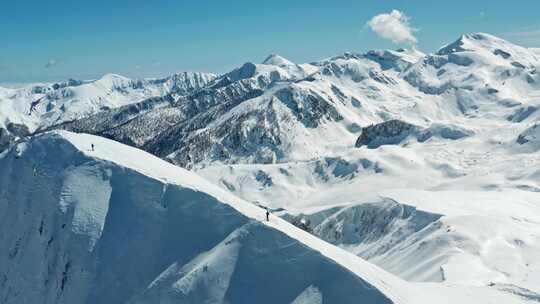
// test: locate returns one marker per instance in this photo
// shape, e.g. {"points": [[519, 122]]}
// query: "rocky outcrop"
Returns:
{"points": [[530, 135], [11, 133], [393, 132], [386, 133]]}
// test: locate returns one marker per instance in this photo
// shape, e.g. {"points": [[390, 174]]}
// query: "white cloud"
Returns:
{"points": [[393, 26], [51, 63]]}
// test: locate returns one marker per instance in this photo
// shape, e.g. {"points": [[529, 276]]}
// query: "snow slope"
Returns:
{"points": [[78, 224], [117, 225], [460, 237]]}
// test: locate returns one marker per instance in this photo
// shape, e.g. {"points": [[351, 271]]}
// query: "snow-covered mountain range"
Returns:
{"points": [[30, 108], [426, 165]]}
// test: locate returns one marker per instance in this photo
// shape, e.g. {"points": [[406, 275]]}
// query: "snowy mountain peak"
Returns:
{"points": [[487, 43], [247, 70], [479, 36], [472, 42], [275, 59], [113, 80]]}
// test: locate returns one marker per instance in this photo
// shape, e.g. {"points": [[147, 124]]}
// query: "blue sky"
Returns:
{"points": [[55, 40]]}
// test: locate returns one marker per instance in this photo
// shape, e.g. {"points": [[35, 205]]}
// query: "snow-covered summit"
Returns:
{"points": [[486, 44], [111, 81], [99, 209], [275, 59]]}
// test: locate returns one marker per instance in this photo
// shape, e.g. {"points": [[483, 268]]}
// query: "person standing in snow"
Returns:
{"points": [[267, 215], [92, 145]]}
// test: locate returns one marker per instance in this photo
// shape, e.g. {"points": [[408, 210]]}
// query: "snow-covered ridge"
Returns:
{"points": [[90, 215], [275, 59], [90, 210], [482, 42], [43, 105], [32, 108]]}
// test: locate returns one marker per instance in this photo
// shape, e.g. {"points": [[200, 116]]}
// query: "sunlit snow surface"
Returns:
{"points": [[444, 199]]}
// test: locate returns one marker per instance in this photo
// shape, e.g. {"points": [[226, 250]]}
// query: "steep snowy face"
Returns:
{"points": [[114, 224], [110, 223], [267, 129], [489, 44], [478, 66]]}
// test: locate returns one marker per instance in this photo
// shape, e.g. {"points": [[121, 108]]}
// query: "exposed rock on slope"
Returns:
{"points": [[394, 132], [530, 137], [11, 133], [281, 135], [387, 133]]}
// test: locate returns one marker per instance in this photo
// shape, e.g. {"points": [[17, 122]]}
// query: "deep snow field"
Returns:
{"points": [[391, 176]]}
